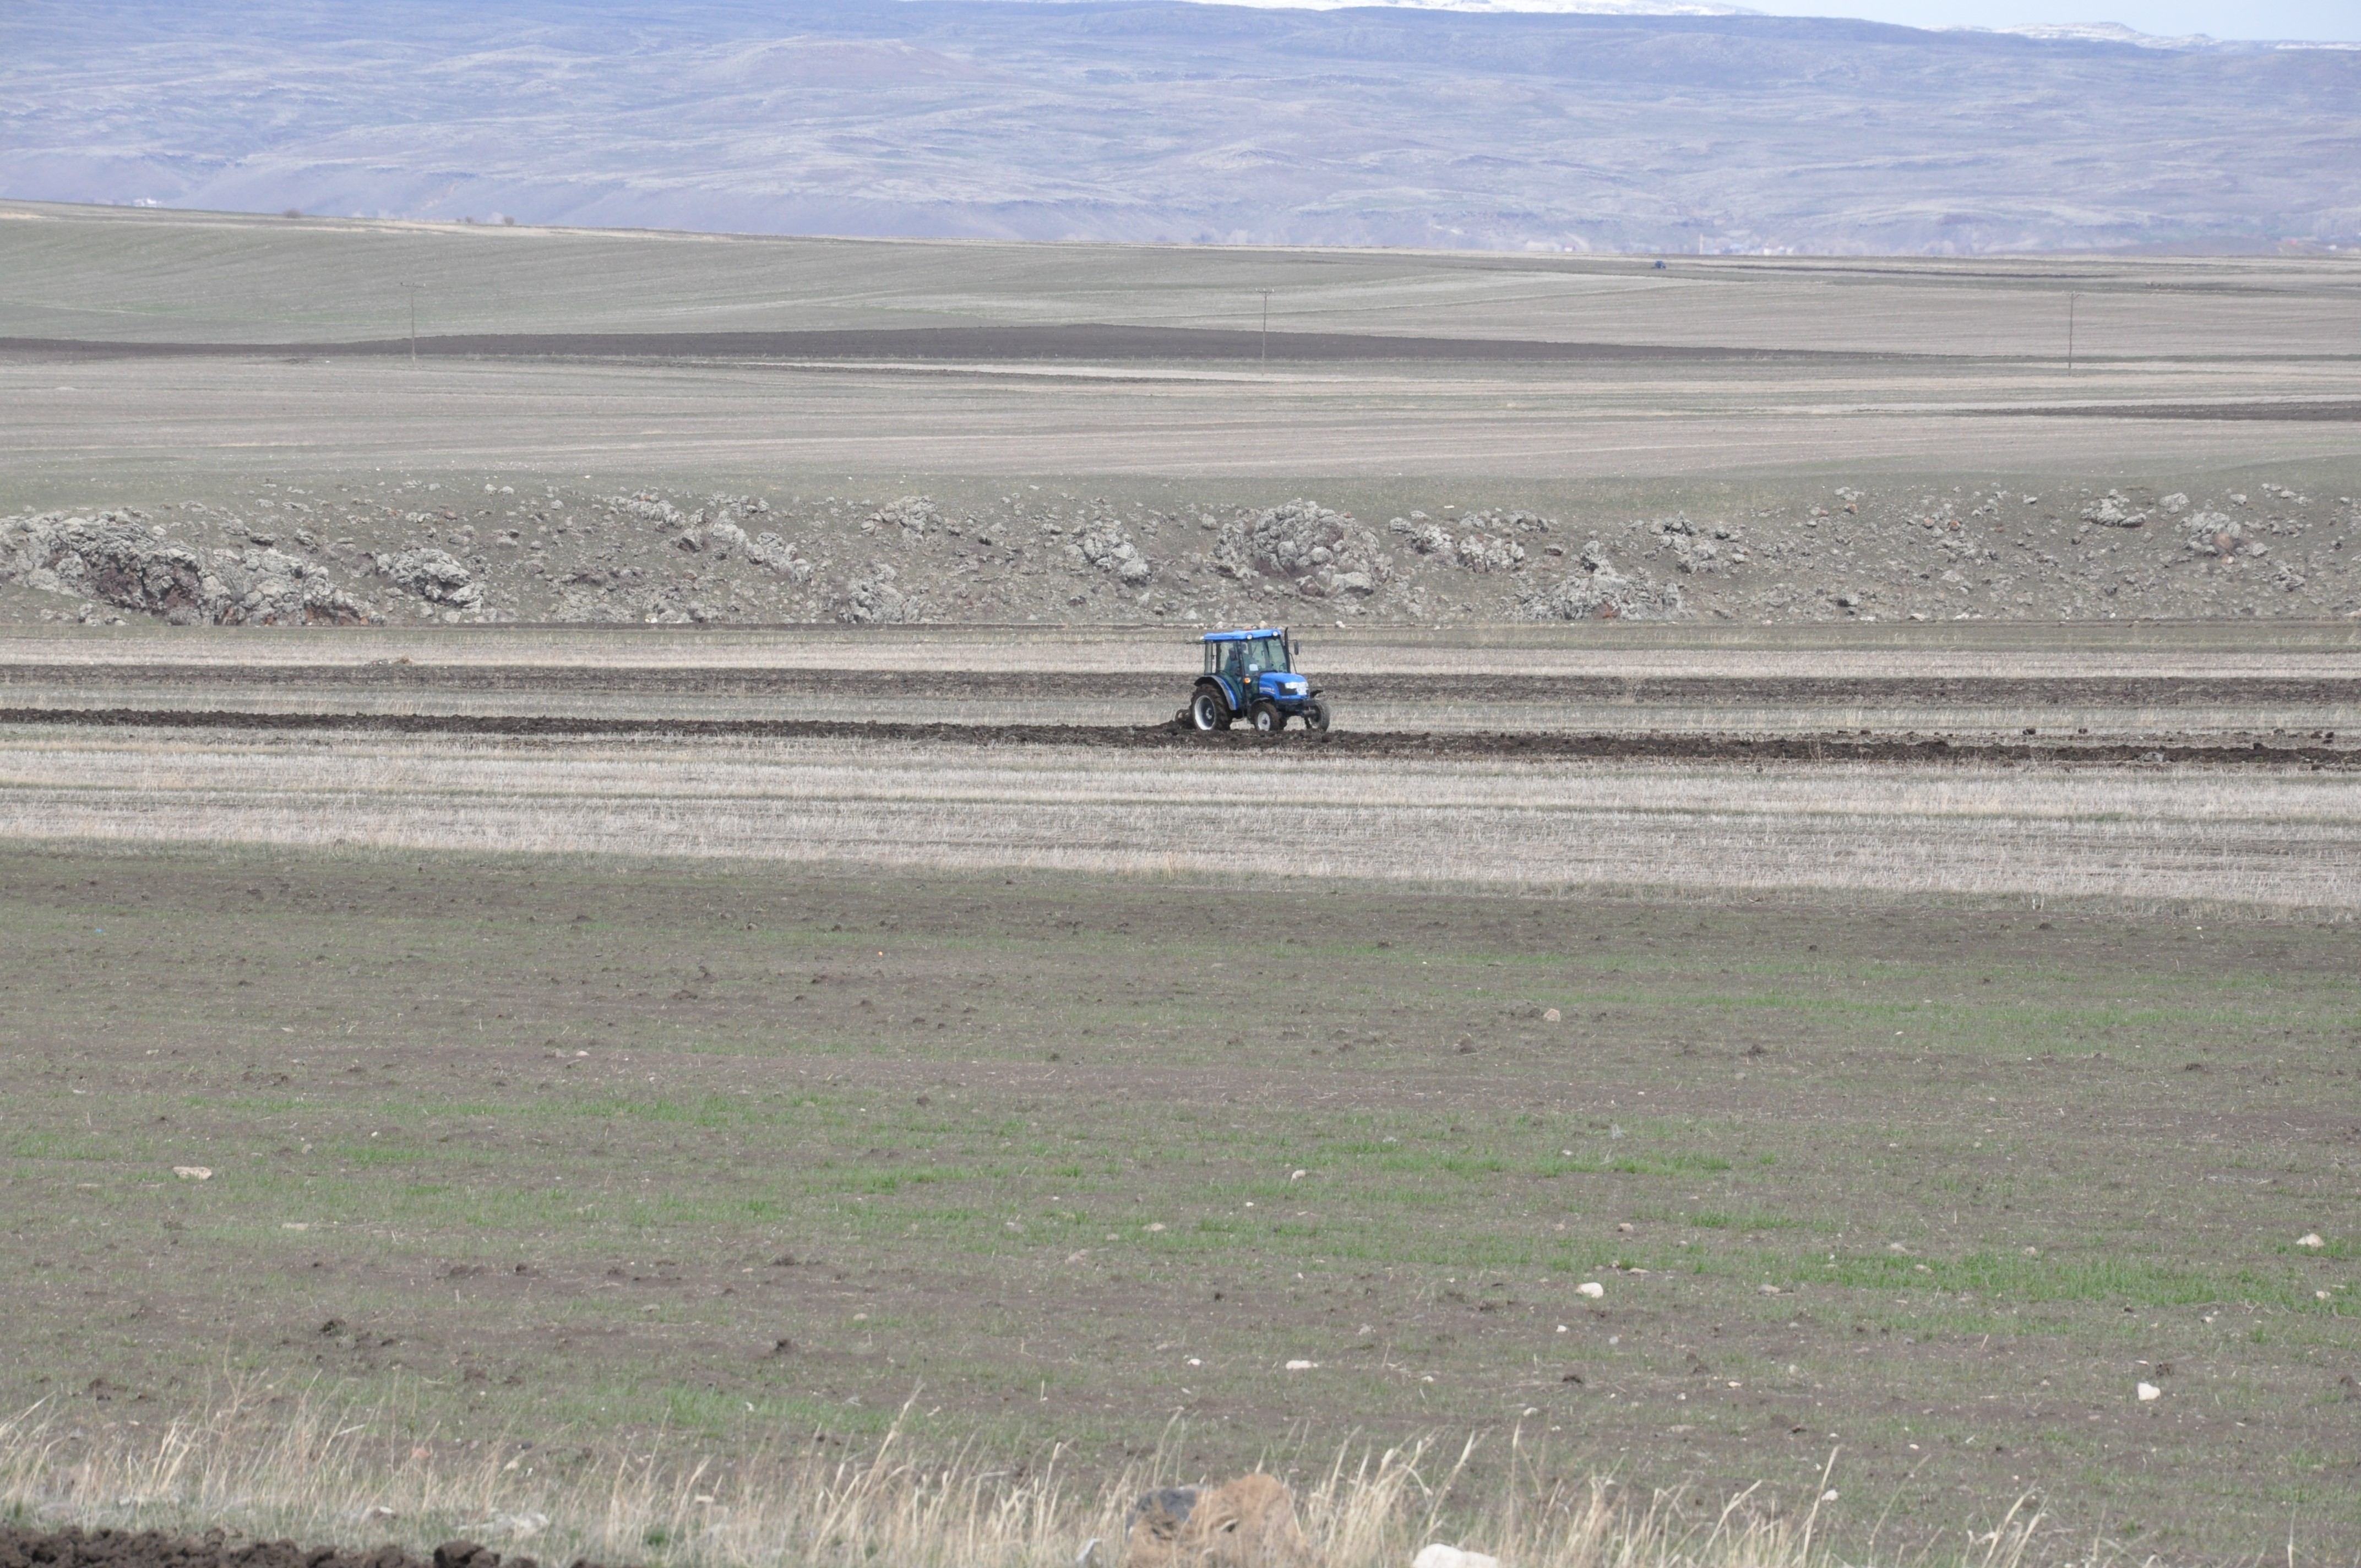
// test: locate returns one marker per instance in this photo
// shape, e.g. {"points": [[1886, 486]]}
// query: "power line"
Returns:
{"points": [[413, 290]]}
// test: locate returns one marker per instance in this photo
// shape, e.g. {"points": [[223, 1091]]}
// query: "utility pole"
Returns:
{"points": [[1266, 326], [411, 289], [2070, 298]]}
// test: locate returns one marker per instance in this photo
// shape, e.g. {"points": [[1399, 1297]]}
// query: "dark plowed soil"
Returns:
{"points": [[1469, 745], [2342, 411], [1681, 691], [22, 1548]]}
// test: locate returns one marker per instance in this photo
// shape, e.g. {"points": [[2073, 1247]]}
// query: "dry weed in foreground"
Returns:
{"points": [[300, 1469]]}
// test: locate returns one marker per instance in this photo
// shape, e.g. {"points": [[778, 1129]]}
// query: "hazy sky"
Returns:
{"points": [[2322, 20]]}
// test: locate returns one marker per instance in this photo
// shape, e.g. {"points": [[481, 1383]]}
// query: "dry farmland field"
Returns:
{"points": [[652, 1009], [582, 1080]]}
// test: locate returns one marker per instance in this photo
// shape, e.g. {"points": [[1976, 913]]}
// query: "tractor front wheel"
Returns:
{"points": [[1315, 717], [1267, 720], [1207, 711]]}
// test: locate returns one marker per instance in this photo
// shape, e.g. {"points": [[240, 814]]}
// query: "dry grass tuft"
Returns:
{"points": [[301, 1468]]}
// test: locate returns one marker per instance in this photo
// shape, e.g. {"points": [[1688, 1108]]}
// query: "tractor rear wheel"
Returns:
{"points": [[1267, 720], [1315, 717], [1207, 711]]}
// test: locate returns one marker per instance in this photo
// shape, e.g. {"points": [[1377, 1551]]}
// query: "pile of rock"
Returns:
{"points": [[2115, 510], [1321, 553], [435, 576], [2220, 534], [1486, 546], [915, 516], [1488, 553], [1696, 548], [1502, 520], [1595, 590], [766, 550], [873, 599], [1426, 536], [112, 558], [650, 508], [1105, 547], [117, 559]]}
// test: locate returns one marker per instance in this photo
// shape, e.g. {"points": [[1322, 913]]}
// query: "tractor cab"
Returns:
{"points": [[1246, 656], [1251, 675]]}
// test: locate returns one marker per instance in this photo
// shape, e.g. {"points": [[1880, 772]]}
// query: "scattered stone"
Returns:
{"points": [[2147, 1391], [193, 1172], [1590, 1287], [2312, 1241]]}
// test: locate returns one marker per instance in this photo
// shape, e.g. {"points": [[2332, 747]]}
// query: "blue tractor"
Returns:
{"points": [[1251, 675]]}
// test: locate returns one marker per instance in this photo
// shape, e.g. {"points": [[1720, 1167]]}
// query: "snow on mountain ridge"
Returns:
{"points": [[2104, 33]]}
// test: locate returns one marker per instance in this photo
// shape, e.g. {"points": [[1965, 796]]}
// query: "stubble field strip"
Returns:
{"points": [[147, 421], [1107, 711], [122, 274], [2283, 839], [2175, 683]]}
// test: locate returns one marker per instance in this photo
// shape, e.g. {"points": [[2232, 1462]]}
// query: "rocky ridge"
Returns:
{"points": [[458, 551]]}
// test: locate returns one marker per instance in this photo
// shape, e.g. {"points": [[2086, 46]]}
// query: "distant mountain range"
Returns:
{"points": [[1679, 128]]}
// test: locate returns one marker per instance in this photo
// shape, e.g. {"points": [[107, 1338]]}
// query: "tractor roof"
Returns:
{"points": [[1242, 636]]}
